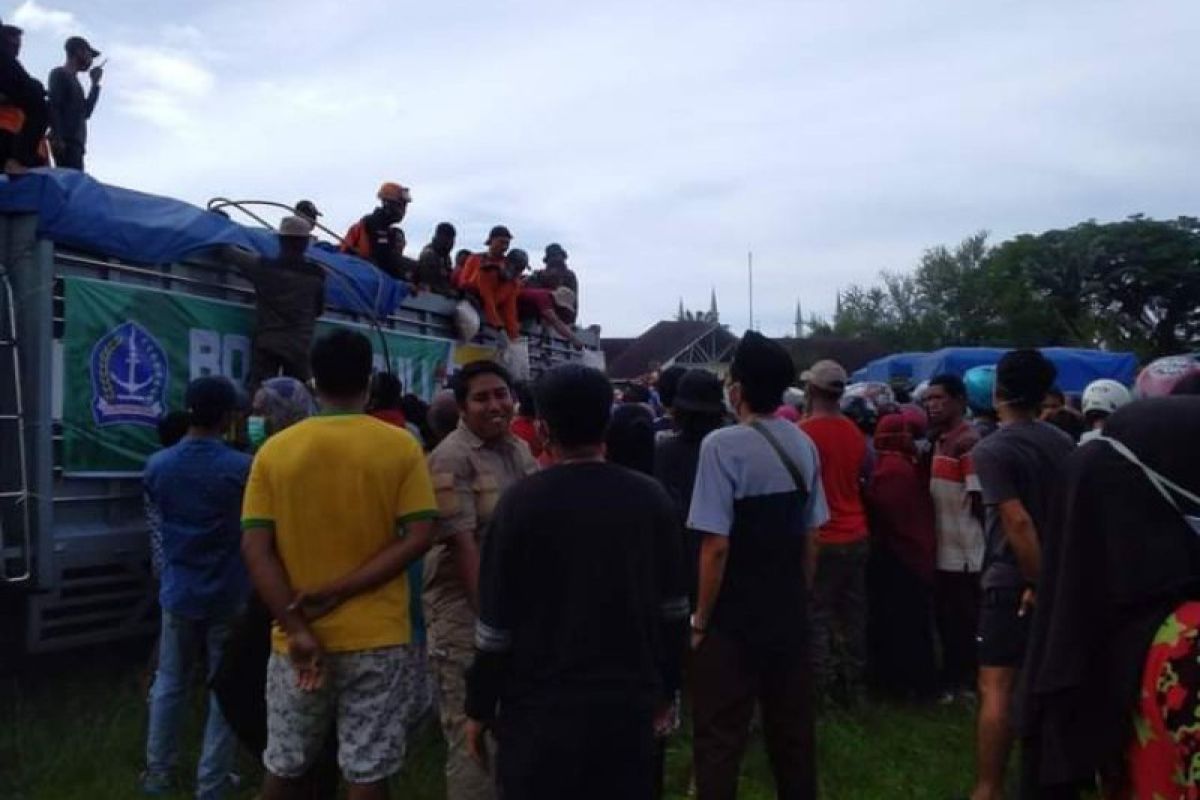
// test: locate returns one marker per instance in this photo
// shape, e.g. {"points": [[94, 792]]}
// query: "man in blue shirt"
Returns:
{"points": [[197, 488], [757, 504]]}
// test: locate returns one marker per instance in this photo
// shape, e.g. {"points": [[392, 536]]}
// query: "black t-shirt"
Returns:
{"points": [[675, 462], [290, 297], [1020, 461], [582, 593]]}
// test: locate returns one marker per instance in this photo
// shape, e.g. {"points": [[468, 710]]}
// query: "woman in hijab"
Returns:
{"points": [[900, 572], [1112, 681]]}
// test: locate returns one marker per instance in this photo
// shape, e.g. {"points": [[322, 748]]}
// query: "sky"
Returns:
{"points": [[661, 142]]}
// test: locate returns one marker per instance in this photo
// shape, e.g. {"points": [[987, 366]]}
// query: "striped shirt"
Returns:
{"points": [[960, 543]]}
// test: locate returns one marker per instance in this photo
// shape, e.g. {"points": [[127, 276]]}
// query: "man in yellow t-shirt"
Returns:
{"points": [[336, 508]]}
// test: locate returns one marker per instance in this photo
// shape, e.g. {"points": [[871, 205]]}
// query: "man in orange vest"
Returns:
{"points": [[375, 238], [490, 275], [23, 108]]}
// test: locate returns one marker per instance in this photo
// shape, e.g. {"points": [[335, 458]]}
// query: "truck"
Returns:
{"points": [[99, 335]]}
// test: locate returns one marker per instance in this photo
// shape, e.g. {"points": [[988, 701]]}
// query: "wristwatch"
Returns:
{"points": [[696, 627]]}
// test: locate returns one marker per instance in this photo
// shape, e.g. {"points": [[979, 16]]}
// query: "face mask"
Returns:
{"points": [[1165, 486], [729, 406], [256, 430]]}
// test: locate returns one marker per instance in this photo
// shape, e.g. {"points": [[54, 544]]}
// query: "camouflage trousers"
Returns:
{"points": [[464, 778]]}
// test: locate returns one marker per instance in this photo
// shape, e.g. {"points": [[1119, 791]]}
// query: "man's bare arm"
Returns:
{"points": [[270, 578], [1022, 537], [714, 555]]}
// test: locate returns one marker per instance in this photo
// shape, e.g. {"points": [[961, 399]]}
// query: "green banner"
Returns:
{"points": [[129, 352]]}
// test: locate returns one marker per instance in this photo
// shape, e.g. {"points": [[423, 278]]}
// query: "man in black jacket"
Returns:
{"points": [[583, 603], [18, 147]]}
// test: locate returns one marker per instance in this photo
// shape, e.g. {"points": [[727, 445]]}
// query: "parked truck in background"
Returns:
{"points": [[93, 349]]}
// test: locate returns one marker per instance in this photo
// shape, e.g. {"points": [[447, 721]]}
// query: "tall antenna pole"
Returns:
{"points": [[750, 275]]}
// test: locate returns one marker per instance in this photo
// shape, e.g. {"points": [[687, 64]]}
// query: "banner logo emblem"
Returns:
{"points": [[129, 377]]}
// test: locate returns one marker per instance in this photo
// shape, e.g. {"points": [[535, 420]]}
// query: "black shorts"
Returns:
{"points": [[1003, 633]]}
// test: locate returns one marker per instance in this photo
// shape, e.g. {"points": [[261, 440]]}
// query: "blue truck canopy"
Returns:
{"points": [[1076, 367], [75, 210]]}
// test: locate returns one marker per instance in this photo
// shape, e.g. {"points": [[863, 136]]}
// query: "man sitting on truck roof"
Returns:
{"points": [[493, 279], [434, 267], [375, 237], [290, 296]]}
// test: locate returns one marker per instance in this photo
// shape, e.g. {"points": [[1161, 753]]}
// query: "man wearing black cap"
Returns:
{"points": [[489, 275], [757, 504], [556, 275], [197, 487], [307, 209], [70, 109]]}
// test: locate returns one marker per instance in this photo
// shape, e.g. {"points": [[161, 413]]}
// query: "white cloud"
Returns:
{"points": [[161, 86], [658, 142], [37, 18]]}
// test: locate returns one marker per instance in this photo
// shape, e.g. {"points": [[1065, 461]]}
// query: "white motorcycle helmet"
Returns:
{"points": [[1105, 396]]}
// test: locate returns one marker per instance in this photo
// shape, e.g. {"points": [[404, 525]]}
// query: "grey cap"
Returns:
{"points": [[295, 226]]}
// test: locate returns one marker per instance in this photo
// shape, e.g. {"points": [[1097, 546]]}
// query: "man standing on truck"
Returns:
{"points": [[70, 108], [290, 296], [22, 107], [375, 237], [197, 488]]}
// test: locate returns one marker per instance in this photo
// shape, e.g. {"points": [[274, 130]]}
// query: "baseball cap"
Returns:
{"points": [[827, 375], [554, 251], [79, 43], [499, 232], [394, 193], [295, 226], [210, 398], [518, 258], [307, 208]]}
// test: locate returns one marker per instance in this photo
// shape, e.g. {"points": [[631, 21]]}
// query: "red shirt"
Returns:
{"points": [[392, 416], [524, 429], [843, 450]]}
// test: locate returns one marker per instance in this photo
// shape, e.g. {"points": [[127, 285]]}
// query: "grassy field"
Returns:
{"points": [[73, 727]]}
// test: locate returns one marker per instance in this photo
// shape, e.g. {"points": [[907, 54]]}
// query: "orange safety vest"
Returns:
{"points": [[357, 242], [11, 121]]}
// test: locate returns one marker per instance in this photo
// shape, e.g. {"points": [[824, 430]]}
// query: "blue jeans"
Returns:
{"points": [[179, 649]]}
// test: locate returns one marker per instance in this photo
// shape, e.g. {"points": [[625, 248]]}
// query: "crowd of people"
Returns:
{"points": [[559, 570], [491, 285], [494, 280]]}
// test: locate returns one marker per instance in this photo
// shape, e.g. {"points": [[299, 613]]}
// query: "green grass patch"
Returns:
{"points": [[74, 727]]}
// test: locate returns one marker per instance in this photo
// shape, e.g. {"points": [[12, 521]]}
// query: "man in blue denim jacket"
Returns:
{"points": [[197, 488]]}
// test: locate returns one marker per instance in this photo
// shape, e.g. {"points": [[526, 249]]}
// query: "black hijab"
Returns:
{"points": [[1117, 559]]}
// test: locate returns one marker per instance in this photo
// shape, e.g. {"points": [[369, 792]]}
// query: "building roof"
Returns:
{"points": [[850, 353], [613, 348], [661, 344]]}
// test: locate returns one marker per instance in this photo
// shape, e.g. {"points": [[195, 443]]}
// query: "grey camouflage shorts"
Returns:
{"points": [[364, 692]]}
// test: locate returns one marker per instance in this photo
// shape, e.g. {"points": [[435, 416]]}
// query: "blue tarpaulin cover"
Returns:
{"points": [[78, 211], [1076, 367], [897, 365]]}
